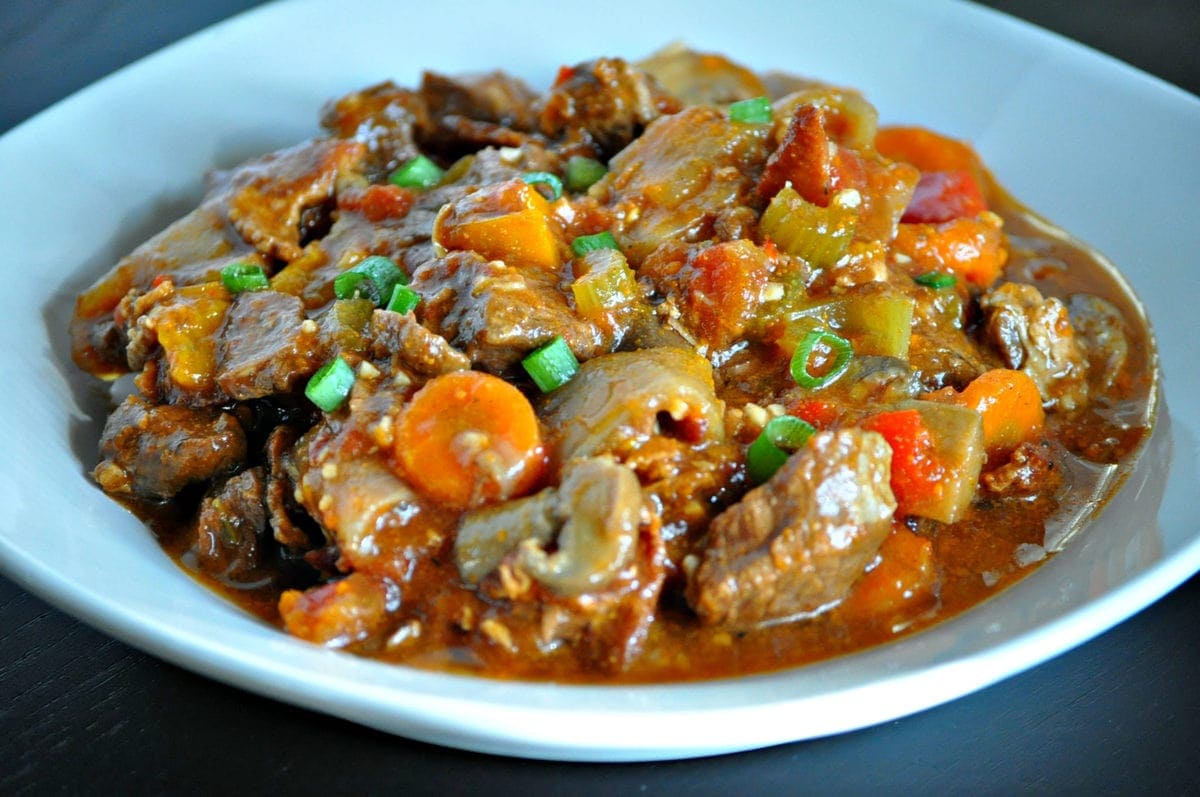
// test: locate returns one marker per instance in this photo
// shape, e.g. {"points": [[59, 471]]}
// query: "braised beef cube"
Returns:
{"points": [[154, 451], [604, 103], [413, 347], [231, 527], [265, 346], [795, 545]]}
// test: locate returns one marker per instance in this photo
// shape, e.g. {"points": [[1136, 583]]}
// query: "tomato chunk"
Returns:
{"points": [[944, 196]]}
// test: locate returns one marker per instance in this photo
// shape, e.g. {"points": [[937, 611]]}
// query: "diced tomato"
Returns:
{"points": [[820, 414], [916, 470], [724, 290], [565, 73], [378, 202], [944, 196]]}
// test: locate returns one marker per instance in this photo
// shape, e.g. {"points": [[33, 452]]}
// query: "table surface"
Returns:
{"points": [[77, 709]]}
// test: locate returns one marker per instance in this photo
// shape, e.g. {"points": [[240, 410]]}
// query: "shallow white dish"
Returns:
{"points": [[1068, 131]]}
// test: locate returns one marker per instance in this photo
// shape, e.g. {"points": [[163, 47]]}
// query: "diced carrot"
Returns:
{"points": [[507, 221], [468, 439], [974, 249], [917, 472], [901, 585], [1009, 403], [928, 151]]}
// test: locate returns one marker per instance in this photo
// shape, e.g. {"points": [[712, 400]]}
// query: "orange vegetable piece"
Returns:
{"points": [[1009, 403], [469, 439], [507, 221], [916, 470], [187, 331], [974, 249], [901, 585], [929, 151]]}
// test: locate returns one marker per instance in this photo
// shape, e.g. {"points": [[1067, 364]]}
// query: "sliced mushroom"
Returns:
{"points": [[590, 521], [596, 540], [617, 401]]}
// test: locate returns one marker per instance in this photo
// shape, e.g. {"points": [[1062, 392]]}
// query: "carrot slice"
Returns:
{"points": [[468, 439], [928, 151], [1009, 403]]}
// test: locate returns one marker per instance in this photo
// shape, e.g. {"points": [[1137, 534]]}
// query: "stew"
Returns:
{"points": [[672, 371]]}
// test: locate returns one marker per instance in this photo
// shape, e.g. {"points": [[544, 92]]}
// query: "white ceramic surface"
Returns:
{"points": [[1107, 152]]}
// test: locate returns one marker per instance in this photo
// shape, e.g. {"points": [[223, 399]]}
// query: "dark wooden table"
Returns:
{"points": [[81, 713]]}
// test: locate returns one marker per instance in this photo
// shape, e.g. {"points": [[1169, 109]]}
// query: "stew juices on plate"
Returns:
{"points": [[672, 371]]}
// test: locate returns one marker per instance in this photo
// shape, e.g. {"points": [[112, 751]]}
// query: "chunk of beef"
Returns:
{"points": [[412, 347], [231, 526], [1100, 330], [154, 451], [1034, 334], [265, 346], [680, 175], [281, 488], [269, 195], [470, 111], [796, 544], [385, 118], [496, 313], [604, 104]]}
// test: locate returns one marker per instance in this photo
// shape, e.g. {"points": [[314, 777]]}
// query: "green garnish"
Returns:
{"points": [[842, 351], [755, 111], [239, 277], [778, 439], [551, 366], [330, 386], [420, 172]]}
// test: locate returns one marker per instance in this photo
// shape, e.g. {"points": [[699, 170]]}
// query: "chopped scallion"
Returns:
{"points": [[754, 111], [779, 438], [404, 299], [547, 179], [936, 279], [420, 172], [551, 366], [840, 348], [588, 243], [582, 173], [239, 277], [371, 278], [330, 386]]}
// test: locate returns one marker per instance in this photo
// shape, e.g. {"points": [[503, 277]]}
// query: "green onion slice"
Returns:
{"points": [[404, 299], [420, 172], [755, 111], [589, 243], [842, 351], [373, 278], [779, 438], [936, 279], [582, 173], [239, 277], [547, 179], [551, 366], [330, 386]]}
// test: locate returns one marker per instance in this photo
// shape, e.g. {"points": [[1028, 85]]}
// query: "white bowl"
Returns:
{"points": [[1103, 150]]}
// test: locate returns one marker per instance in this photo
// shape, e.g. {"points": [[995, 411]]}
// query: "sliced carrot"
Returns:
{"points": [[507, 221], [469, 439], [974, 249], [1009, 403], [901, 583], [928, 151]]}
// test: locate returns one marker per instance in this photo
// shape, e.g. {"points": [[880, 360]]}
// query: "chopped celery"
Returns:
{"points": [[819, 235]]}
